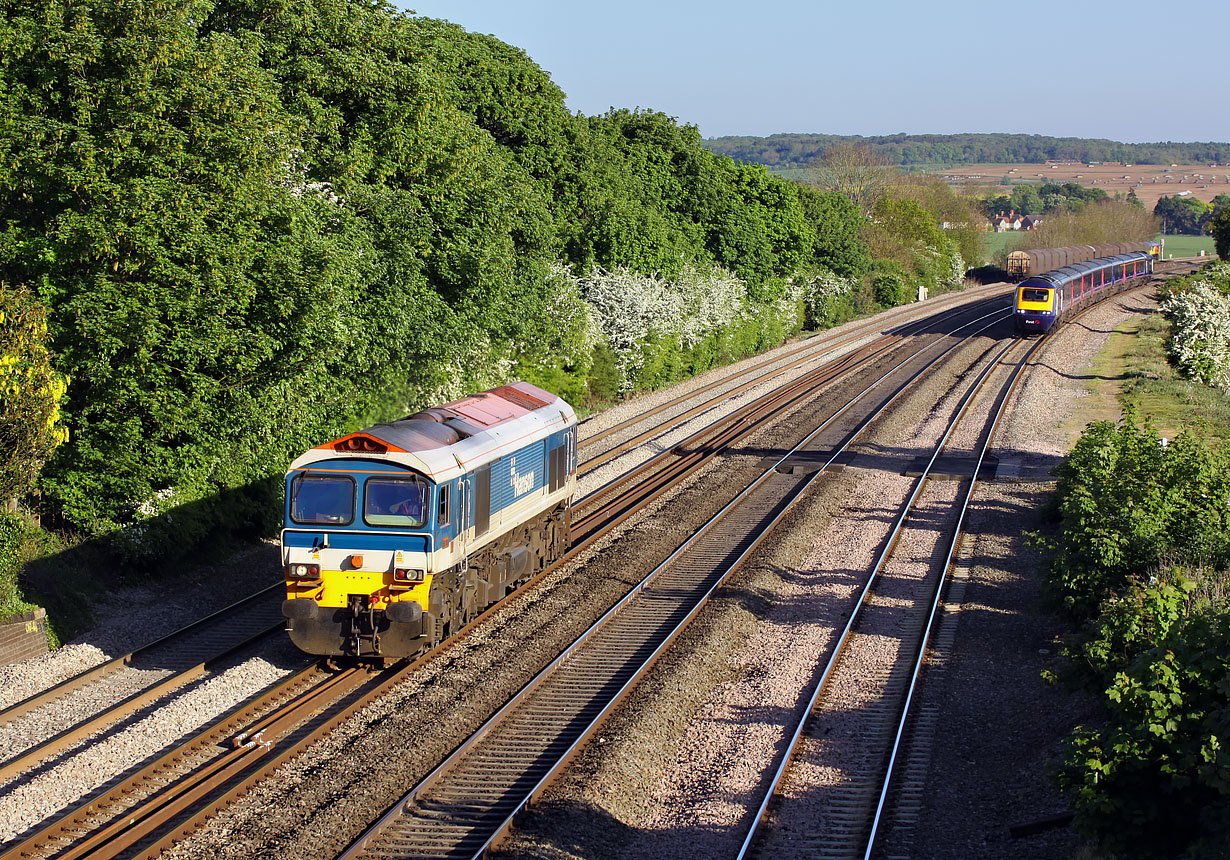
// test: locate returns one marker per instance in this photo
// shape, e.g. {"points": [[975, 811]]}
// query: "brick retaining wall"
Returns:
{"points": [[23, 636]]}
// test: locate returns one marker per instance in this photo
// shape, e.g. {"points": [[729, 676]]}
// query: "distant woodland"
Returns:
{"points": [[800, 150]]}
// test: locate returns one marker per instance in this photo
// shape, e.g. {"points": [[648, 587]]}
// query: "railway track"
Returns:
{"points": [[469, 802], [139, 679], [623, 496], [713, 443], [129, 815], [873, 809], [700, 399], [850, 814], [194, 781]]}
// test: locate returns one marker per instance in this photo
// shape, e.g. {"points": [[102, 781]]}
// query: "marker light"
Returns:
{"points": [[407, 574], [303, 571]]}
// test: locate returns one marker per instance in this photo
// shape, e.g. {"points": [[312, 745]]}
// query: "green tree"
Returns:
{"points": [[1183, 215], [30, 392], [1219, 226], [1026, 200], [902, 230], [838, 224]]}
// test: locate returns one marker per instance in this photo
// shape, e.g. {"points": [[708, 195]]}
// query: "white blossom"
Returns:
{"points": [[632, 310], [294, 179], [1200, 342]]}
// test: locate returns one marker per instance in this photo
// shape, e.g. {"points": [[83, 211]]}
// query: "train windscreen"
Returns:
{"points": [[395, 502], [321, 500]]}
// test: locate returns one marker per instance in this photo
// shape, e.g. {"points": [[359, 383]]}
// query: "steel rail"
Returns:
{"points": [[95, 673], [661, 471], [66, 826], [925, 635], [813, 352], [526, 785], [183, 790], [123, 709], [854, 615], [920, 658], [933, 613]]}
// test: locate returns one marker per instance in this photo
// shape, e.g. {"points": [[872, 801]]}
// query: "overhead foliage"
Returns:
{"points": [[256, 224]]}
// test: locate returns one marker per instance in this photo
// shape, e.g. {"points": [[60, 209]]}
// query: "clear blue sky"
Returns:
{"points": [[1076, 68]]}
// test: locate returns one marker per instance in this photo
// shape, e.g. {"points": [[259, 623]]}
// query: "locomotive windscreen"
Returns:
{"points": [[321, 500]]}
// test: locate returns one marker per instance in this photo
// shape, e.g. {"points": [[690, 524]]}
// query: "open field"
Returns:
{"points": [[1151, 181], [995, 244], [1189, 246]]}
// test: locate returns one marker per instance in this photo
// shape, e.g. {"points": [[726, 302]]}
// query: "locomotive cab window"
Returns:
{"points": [[443, 507], [395, 502], [322, 500], [1033, 294]]}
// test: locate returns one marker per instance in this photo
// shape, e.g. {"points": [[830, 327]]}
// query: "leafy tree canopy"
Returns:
{"points": [[1187, 215], [254, 224]]}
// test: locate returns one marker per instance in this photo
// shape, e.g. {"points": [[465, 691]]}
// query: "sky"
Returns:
{"points": [[1128, 70]]}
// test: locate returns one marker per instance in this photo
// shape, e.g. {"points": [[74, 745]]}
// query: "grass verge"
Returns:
{"points": [[1133, 369]]}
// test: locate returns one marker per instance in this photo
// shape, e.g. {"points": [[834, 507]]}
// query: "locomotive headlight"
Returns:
{"points": [[303, 571], [407, 574]]}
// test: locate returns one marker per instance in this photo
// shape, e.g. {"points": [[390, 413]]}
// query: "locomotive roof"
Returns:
{"points": [[443, 441]]}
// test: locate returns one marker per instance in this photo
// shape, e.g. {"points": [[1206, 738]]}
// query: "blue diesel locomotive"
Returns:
{"points": [[1046, 299], [398, 535]]}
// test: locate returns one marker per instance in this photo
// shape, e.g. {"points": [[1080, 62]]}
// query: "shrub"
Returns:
{"points": [[1154, 781], [1127, 501], [30, 393], [829, 299], [1200, 342], [888, 282], [11, 559]]}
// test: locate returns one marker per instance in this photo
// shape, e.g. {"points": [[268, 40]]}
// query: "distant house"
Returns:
{"points": [[1002, 223], [1029, 222]]}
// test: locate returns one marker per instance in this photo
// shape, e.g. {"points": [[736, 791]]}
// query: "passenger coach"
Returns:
{"points": [[1043, 300], [399, 534]]}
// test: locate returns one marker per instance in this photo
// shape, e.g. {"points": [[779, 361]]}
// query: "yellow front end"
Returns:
{"points": [[357, 605]]}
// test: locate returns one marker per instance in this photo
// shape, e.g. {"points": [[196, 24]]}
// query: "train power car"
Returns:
{"points": [[1043, 300], [1023, 264], [398, 535]]}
